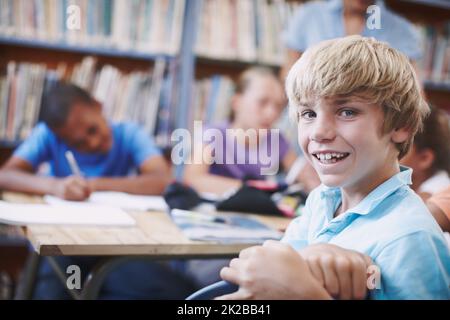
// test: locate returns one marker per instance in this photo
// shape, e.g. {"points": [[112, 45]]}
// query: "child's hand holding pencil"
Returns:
{"points": [[74, 187]]}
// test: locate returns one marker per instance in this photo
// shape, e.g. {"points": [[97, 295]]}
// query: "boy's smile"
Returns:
{"points": [[343, 139]]}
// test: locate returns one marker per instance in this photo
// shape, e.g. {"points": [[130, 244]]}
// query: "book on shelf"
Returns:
{"points": [[138, 99], [147, 26], [435, 62], [211, 100], [245, 30], [21, 91]]}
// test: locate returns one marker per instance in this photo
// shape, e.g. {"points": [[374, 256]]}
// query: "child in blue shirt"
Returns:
{"points": [[358, 104], [106, 153], [111, 156]]}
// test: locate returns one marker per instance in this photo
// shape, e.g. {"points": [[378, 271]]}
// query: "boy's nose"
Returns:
{"points": [[323, 129]]}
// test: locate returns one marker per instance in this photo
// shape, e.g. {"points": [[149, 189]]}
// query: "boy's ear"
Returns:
{"points": [[400, 135]]}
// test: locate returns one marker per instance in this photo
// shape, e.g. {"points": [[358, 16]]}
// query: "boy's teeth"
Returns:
{"points": [[329, 156]]}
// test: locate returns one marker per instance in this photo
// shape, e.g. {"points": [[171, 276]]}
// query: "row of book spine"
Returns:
{"points": [[211, 100], [147, 26], [138, 100], [435, 63], [244, 30]]}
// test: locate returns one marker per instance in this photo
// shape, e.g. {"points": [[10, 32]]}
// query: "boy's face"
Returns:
{"points": [[86, 130], [342, 138]]}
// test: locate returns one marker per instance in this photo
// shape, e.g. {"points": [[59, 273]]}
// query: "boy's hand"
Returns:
{"points": [[342, 272], [72, 188], [271, 271]]}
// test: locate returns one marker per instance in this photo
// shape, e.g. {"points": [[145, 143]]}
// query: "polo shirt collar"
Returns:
{"points": [[375, 197]]}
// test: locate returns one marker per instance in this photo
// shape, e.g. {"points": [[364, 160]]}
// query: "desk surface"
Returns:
{"points": [[154, 235]]}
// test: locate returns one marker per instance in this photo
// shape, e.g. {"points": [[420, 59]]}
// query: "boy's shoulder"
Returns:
{"points": [[398, 214], [42, 133], [126, 130], [125, 126], [403, 216]]}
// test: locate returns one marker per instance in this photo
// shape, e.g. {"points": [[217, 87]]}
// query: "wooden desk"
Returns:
{"points": [[155, 237], [154, 234]]}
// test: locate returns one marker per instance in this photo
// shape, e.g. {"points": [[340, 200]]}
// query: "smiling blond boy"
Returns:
{"points": [[358, 104]]}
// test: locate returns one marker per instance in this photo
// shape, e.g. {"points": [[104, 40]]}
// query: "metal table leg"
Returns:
{"points": [[96, 277], [27, 282]]}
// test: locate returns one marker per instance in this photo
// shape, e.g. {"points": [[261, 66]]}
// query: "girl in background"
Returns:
{"points": [[257, 104]]}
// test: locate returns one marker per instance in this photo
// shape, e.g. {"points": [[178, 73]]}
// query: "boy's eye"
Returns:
{"points": [[347, 113], [307, 114]]}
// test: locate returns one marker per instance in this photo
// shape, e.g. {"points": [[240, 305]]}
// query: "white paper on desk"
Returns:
{"points": [[119, 200], [234, 235], [81, 214], [236, 228]]}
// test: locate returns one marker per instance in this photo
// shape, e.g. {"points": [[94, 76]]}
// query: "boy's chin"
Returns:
{"points": [[331, 181]]}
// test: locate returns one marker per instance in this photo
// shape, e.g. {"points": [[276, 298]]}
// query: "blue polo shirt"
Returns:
{"points": [[130, 148], [391, 225], [318, 21]]}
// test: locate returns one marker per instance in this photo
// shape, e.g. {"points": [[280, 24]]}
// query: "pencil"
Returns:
{"points": [[73, 163]]}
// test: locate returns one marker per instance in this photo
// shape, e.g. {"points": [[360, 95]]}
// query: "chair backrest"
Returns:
{"points": [[214, 290]]}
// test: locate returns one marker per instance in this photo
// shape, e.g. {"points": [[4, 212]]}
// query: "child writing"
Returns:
{"points": [[257, 104], [429, 157], [106, 153], [358, 104]]}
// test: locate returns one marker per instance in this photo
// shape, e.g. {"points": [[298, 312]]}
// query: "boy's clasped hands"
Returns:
{"points": [[276, 271]]}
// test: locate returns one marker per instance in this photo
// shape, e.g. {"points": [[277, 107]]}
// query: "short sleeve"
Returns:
{"points": [[141, 145], [36, 148], [294, 36], [415, 266]]}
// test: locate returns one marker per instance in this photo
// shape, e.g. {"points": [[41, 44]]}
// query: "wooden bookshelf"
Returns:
{"points": [[52, 53], [207, 67], [52, 57], [422, 11], [90, 50]]}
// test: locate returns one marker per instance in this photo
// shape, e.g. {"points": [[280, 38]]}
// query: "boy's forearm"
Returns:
{"points": [[19, 181], [149, 184]]}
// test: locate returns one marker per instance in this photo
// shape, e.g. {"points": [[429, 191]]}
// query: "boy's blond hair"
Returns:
{"points": [[366, 68]]}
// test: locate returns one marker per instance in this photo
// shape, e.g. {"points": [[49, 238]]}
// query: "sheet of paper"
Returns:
{"points": [[80, 214], [231, 228], [120, 200]]}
